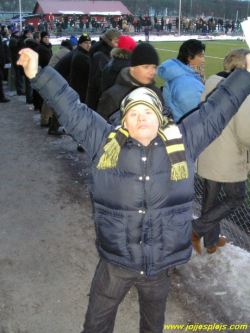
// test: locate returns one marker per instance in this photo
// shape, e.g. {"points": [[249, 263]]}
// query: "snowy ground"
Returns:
{"points": [[162, 38]]}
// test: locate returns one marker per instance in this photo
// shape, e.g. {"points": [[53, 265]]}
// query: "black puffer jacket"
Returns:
{"points": [[142, 217], [98, 61], [120, 59], [45, 53], [111, 98], [79, 72]]}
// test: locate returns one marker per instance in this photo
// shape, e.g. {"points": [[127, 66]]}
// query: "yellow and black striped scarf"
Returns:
{"points": [[171, 138]]}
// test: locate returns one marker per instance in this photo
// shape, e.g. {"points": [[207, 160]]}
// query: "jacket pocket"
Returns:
{"points": [[111, 232], [176, 231]]}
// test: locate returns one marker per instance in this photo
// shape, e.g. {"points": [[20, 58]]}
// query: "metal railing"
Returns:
{"points": [[236, 227]]}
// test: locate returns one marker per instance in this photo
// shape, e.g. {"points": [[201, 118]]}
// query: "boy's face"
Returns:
{"points": [[142, 124], [145, 74]]}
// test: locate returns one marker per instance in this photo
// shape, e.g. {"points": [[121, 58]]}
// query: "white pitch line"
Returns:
{"points": [[206, 56]]}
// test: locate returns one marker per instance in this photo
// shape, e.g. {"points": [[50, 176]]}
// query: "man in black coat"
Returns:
{"points": [[21, 45], [101, 56], [141, 73], [15, 35], [79, 70], [44, 51]]}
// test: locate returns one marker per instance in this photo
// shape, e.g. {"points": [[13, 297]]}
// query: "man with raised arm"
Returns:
{"points": [[143, 174]]}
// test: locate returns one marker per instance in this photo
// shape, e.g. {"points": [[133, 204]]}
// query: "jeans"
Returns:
{"points": [[213, 210], [110, 285]]}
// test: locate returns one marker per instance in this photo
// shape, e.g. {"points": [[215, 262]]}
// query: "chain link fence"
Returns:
{"points": [[236, 227]]}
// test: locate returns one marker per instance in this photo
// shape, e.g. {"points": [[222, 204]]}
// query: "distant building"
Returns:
{"points": [[98, 10]]}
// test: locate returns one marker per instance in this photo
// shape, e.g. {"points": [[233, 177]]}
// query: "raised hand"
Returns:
{"points": [[29, 60]]}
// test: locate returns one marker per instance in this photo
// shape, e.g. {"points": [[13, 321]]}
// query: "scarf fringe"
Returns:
{"points": [[179, 171], [110, 156]]}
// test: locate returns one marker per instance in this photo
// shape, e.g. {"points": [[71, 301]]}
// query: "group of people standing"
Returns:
{"points": [[143, 143]]}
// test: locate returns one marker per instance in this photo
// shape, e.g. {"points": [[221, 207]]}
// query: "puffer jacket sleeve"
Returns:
{"points": [[82, 123], [204, 125]]}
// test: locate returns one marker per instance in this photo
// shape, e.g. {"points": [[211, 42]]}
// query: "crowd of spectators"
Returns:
{"points": [[130, 24]]}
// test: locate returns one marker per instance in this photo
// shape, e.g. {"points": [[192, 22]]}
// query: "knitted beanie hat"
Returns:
{"points": [[44, 34], [144, 54], [111, 33], [127, 43], [73, 40], [26, 31], [142, 96], [15, 31], [84, 38]]}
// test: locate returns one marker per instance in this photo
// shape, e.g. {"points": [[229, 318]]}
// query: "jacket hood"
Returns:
{"points": [[100, 46], [174, 68], [120, 53], [31, 42]]}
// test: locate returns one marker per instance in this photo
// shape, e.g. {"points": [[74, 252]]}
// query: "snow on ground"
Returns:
{"points": [[155, 38]]}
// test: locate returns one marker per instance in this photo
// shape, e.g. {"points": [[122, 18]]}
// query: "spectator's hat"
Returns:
{"points": [[26, 31], [73, 40], [84, 38], [127, 43], [44, 34], [111, 34], [15, 31], [144, 54]]}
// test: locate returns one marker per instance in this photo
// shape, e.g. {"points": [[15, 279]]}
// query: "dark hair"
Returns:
{"points": [[4, 34], [190, 49], [67, 43], [36, 34]]}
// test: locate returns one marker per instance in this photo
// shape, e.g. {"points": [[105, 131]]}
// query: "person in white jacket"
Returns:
{"points": [[224, 161]]}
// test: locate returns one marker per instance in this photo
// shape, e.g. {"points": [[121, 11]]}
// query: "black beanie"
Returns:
{"points": [[44, 33], [144, 54]]}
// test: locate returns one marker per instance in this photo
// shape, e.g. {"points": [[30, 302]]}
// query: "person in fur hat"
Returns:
{"points": [[120, 58], [100, 56]]}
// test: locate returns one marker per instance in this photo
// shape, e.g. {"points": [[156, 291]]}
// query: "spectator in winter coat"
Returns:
{"points": [[6, 53], [33, 43], [142, 187], [21, 45], [47, 114], [141, 73], [15, 35], [225, 161], [44, 49], [79, 70], [64, 48], [44, 55], [184, 79], [120, 58], [99, 60]]}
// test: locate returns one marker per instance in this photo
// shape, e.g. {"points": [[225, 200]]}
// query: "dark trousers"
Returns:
{"points": [[28, 90], [213, 210], [1, 82], [19, 79], [110, 285]]}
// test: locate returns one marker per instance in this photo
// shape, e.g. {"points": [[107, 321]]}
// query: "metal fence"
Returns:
{"points": [[236, 227]]}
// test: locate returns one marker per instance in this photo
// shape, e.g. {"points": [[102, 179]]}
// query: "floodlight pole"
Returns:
{"points": [[20, 15], [180, 18]]}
